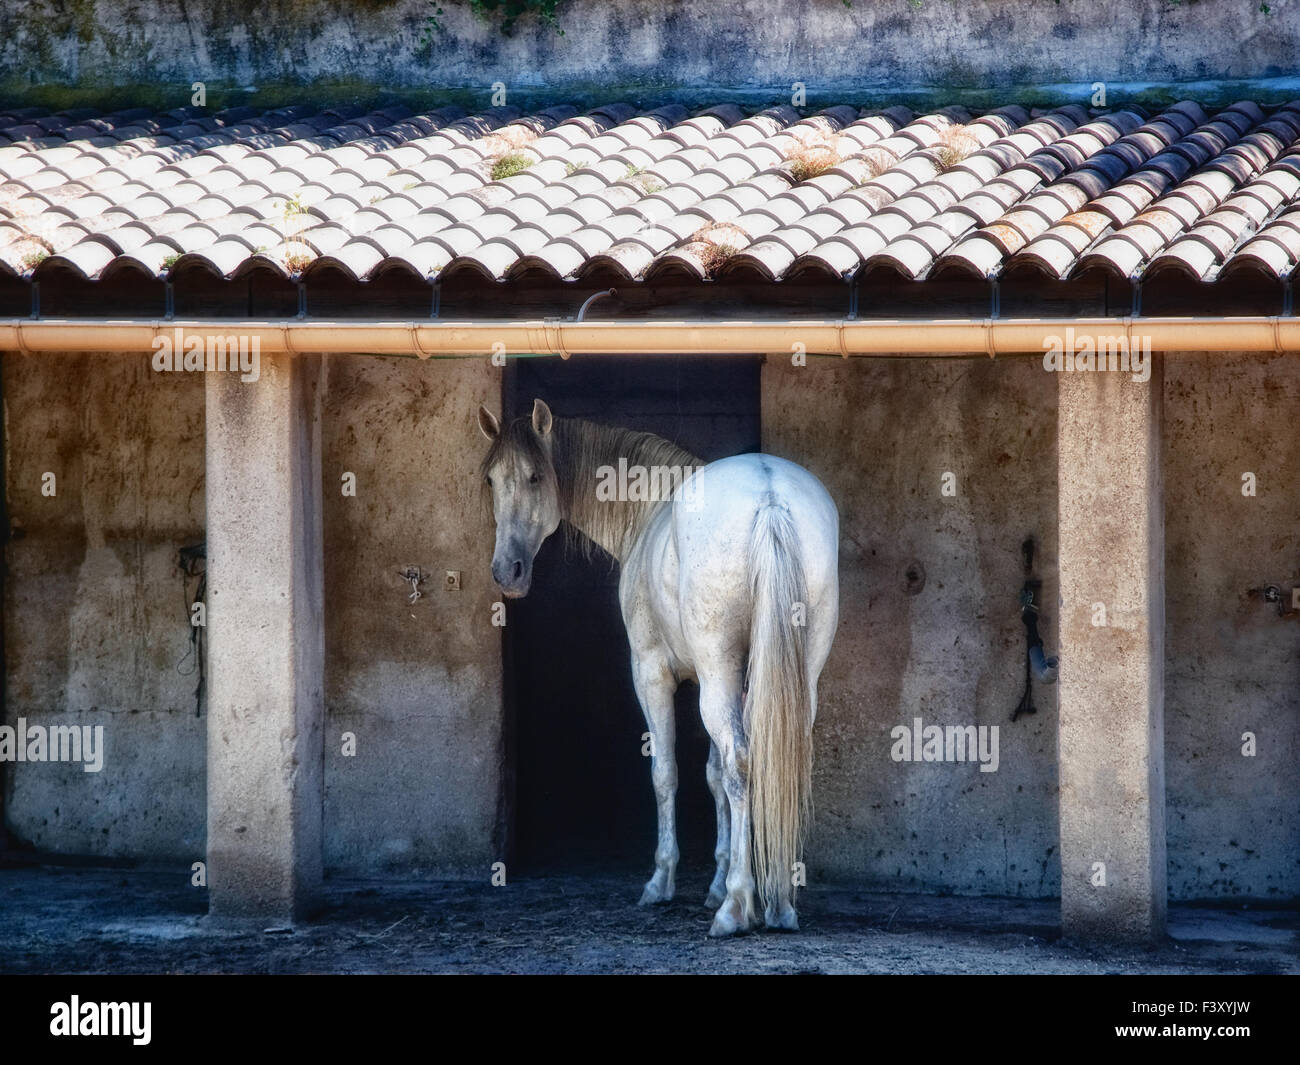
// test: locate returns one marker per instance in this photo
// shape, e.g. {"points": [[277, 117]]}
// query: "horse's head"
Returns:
{"points": [[525, 496]]}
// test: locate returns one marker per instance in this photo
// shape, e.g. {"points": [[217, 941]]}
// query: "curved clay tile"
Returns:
{"points": [[355, 260], [1274, 250], [148, 263], [87, 259]]}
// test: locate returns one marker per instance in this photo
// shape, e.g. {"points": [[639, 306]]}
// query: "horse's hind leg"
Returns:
{"points": [[720, 707], [722, 850], [655, 686]]}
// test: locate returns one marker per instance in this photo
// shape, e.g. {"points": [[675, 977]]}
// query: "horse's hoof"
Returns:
{"points": [[785, 921], [729, 921], [652, 895], [722, 927]]}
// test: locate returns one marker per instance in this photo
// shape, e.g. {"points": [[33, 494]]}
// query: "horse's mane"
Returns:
{"points": [[579, 449]]}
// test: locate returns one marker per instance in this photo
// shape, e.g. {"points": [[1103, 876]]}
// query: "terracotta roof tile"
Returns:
{"points": [[642, 193]]}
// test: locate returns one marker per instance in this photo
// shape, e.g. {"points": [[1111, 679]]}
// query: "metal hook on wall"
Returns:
{"points": [[1038, 666]]}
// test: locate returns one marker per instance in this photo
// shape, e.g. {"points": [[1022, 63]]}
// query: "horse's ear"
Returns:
{"points": [[541, 418], [488, 424]]}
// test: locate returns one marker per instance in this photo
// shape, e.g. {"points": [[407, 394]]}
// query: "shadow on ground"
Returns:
{"points": [[57, 919]]}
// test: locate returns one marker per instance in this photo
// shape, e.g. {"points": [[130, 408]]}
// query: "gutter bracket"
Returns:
{"points": [[554, 337], [435, 297], [415, 343], [853, 298], [302, 299], [1288, 299], [1136, 311], [36, 299], [169, 301], [995, 299]]}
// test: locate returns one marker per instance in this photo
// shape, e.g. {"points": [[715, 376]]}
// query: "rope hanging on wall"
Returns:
{"points": [[1037, 664], [193, 563]]}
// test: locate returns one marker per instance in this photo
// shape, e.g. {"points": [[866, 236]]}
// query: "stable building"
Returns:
{"points": [[1068, 327]]}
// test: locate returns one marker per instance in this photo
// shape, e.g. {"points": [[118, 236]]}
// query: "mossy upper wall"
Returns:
{"points": [[69, 52]]}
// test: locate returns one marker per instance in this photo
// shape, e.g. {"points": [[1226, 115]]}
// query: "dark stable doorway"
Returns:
{"points": [[582, 795]]}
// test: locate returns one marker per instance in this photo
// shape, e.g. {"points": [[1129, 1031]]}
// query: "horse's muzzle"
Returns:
{"points": [[513, 578]]}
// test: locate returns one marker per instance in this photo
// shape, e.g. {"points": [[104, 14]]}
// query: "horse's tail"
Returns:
{"points": [[778, 709]]}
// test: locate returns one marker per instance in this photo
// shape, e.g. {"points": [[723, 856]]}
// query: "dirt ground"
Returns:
{"points": [[60, 919]]}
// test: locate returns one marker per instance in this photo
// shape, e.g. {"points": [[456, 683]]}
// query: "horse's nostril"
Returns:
{"points": [[518, 570]]}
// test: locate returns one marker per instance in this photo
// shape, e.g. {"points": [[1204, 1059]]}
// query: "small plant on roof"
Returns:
{"points": [[34, 258], [632, 171], [716, 248], [294, 212], [571, 168], [955, 143], [169, 261], [646, 183], [875, 161], [807, 161], [713, 256], [510, 165], [293, 209], [297, 261]]}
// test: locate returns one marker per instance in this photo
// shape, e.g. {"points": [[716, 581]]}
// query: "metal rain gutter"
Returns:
{"points": [[846, 337]]}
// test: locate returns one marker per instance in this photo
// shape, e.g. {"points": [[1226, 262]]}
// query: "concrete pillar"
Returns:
{"points": [[1112, 623], [266, 645]]}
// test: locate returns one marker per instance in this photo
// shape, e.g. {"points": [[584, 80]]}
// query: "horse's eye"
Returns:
{"points": [[489, 482], [534, 479]]}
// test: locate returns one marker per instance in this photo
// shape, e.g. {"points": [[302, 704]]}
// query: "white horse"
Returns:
{"points": [[729, 578]]}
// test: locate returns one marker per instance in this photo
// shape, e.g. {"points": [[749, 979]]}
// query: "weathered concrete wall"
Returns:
{"points": [[646, 47], [95, 617], [881, 435], [95, 614], [1232, 666], [418, 684]]}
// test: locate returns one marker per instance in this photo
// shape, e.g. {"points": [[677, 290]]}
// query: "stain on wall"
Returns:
{"points": [[97, 631], [417, 683], [97, 623], [881, 435], [1232, 665]]}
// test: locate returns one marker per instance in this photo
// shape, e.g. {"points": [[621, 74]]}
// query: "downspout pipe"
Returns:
{"points": [[846, 337]]}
